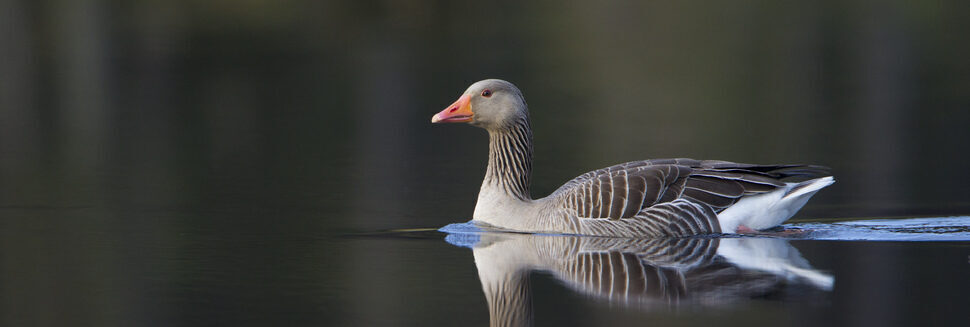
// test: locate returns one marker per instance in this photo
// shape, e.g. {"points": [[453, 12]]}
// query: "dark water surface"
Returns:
{"points": [[81, 266], [241, 162]]}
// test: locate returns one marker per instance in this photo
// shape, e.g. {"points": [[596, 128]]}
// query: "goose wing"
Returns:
{"points": [[624, 190]]}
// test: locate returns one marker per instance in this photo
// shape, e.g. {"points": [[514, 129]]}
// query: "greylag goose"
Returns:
{"points": [[649, 198]]}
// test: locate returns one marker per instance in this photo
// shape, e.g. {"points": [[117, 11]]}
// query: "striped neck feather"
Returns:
{"points": [[510, 159]]}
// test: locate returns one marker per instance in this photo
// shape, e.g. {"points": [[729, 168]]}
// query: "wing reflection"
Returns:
{"points": [[636, 273]]}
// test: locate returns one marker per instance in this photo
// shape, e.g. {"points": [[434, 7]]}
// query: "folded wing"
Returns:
{"points": [[626, 190]]}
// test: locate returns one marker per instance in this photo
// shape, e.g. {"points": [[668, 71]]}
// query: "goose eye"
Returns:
{"points": [[487, 93]]}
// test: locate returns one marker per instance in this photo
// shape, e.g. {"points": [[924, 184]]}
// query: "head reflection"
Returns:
{"points": [[636, 273]]}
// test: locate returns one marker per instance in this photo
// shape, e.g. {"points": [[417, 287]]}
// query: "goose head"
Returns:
{"points": [[492, 104]]}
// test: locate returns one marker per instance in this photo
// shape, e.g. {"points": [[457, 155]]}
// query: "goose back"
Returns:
{"points": [[675, 197]]}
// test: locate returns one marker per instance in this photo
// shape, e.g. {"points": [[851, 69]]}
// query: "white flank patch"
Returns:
{"points": [[770, 209]]}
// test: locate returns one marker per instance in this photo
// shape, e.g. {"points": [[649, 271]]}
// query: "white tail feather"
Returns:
{"points": [[810, 187], [770, 209]]}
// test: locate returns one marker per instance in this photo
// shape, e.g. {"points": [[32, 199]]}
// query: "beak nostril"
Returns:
{"points": [[453, 109]]}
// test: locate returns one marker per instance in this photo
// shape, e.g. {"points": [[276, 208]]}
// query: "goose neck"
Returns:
{"points": [[510, 160]]}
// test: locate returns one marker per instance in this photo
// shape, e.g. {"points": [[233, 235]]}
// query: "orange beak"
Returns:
{"points": [[458, 112]]}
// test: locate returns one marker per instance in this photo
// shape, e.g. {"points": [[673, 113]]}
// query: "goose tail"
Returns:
{"points": [[809, 187], [771, 209]]}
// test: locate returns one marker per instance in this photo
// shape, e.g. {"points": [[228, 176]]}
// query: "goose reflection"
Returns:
{"points": [[640, 273]]}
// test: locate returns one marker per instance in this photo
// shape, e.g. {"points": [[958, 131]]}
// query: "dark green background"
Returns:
{"points": [[193, 162]]}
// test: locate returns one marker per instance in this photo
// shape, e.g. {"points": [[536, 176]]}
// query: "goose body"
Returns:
{"points": [[649, 198]]}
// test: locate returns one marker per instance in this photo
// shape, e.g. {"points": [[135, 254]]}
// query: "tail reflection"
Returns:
{"points": [[635, 273]]}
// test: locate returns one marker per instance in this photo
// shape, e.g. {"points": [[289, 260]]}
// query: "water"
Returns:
{"points": [[72, 265], [763, 274], [936, 229], [913, 229], [251, 163]]}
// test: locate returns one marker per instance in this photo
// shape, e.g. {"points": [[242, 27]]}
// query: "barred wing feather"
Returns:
{"points": [[627, 190]]}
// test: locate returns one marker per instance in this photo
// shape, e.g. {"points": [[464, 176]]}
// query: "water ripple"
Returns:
{"points": [[906, 229], [909, 229]]}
